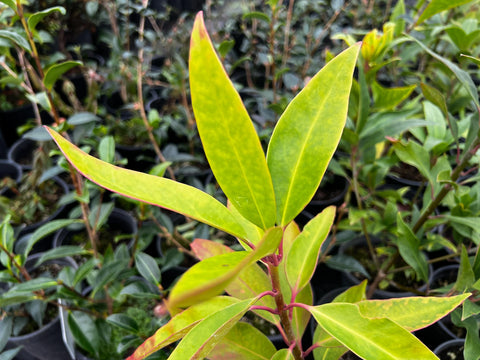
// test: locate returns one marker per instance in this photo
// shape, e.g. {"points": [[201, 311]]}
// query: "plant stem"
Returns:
{"points": [[283, 312]]}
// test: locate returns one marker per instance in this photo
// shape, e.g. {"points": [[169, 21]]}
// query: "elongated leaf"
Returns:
{"points": [[389, 98], [461, 75], [35, 284], [308, 133], [376, 338], [6, 325], [35, 18], [46, 230], [230, 141], [107, 274], [211, 276], [244, 341], [409, 247], [81, 118], [106, 149], [158, 191], [148, 268], [16, 39], [198, 343], [123, 321], [411, 313], [180, 325], [84, 331], [59, 252], [302, 258], [437, 6], [251, 282], [11, 299], [54, 72]]}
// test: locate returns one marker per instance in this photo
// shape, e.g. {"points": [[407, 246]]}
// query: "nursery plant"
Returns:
{"points": [[271, 276]]}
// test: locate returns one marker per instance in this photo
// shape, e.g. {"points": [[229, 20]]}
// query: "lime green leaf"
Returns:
{"points": [[353, 294], [148, 268], [124, 322], [283, 354], [472, 59], [155, 190], [251, 282], [300, 316], [211, 276], [301, 260], [437, 6], [409, 247], [16, 38], [308, 133], [244, 341], [35, 18], [180, 325], [411, 313], [229, 138], [198, 343], [388, 98], [10, 3], [378, 338], [54, 72]]}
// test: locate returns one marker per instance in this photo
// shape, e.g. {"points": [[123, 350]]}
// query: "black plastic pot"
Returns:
{"points": [[351, 279], [3, 147], [21, 152], [451, 350], [331, 191], [45, 343], [11, 170]]}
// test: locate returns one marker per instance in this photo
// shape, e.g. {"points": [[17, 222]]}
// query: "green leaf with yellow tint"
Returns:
{"points": [[211, 276], [151, 189], [283, 354], [411, 313], [35, 18], [180, 325], [307, 134], [202, 339], [437, 6], [251, 282], [54, 72], [244, 341], [376, 338], [301, 259], [231, 144]]}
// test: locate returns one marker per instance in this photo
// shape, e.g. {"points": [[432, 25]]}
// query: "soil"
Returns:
{"points": [[406, 171]]}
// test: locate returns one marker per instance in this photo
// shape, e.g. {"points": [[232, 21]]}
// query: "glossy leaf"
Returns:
{"points": [[409, 247], [124, 322], [35, 18], [84, 331], [307, 134], [411, 313], [154, 190], [148, 268], [108, 273], [54, 72], [283, 354], [59, 252], [198, 343], [16, 39], [46, 230], [211, 276], [376, 338], [301, 260], [228, 136], [388, 98], [244, 341], [35, 285], [180, 325], [251, 282], [300, 316], [437, 6]]}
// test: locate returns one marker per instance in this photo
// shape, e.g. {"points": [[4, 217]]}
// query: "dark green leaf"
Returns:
{"points": [[41, 283], [35, 18], [15, 38], [63, 251], [54, 72], [106, 149], [148, 268], [107, 274], [84, 331], [123, 321]]}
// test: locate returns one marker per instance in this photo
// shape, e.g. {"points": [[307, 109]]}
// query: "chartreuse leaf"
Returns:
{"points": [[10, 3], [302, 258], [155, 190], [437, 6], [35, 18], [231, 143], [251, 282], [307, 134], [54, 72], [283, 354], [211, 276], [300, 316], [376, 338], [388, 98], [180, 325], [199, 341], [244, 341], [411, 313]]}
